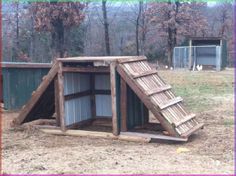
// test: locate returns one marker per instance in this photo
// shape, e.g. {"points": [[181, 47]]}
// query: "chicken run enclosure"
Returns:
{"points": [[111, 96]]}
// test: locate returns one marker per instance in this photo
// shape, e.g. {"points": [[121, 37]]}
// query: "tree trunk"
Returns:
{"points": [[170, 41], [32, 38], [58, 39], [16, 45], [177, 5], [170, 47], [143, 39], [106, 28], [137, 29]]}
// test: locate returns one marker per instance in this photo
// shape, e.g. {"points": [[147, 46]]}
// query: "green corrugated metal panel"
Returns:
{"points": [[137, 111], [18, 85], [118, 100], [224, 54]]}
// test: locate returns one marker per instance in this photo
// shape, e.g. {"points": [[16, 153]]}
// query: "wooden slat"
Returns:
{"points": [[87, 93], [123, 104], [133, 59], [187, 118], [113, 98], [96, 58], [146, 73], [146, 100], [61, 97], [158, 90], [192, 130], [102, 92], [77, 95], [86, 69], [35, 97], [96, 134], [170, 102]]}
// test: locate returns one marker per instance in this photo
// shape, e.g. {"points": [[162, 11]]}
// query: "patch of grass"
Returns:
{"points": [[229, 122], [200, 89]]}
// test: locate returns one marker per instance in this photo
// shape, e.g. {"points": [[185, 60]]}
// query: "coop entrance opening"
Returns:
{"points": [[88, 101]]}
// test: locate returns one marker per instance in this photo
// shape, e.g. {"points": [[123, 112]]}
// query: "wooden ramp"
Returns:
{"points": [[158, 97]]}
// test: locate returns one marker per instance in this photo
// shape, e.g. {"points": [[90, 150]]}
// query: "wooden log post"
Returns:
{"points": [[56, 93], [113, 98], [123, 105], [61, 97]]}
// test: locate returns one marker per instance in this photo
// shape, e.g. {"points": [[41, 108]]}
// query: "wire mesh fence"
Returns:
{"points": [[189, 57]]}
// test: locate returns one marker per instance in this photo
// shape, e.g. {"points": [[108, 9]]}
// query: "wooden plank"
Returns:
{"points": [[192, 130], [155, 136], [102, 92], [97, 58], [93, 97], [87, 69], [61, 97], [113, 98], [35, 97], [56, 92], [123, 104], [133, 59], [96, 134], [81, 133], [170, 102], [158, 90], [146, 73], [146, 100], [77, 95], [87, 93], [185, 119]]}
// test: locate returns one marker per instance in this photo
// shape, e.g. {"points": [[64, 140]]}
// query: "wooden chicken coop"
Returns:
{"points": [[111, 96]]}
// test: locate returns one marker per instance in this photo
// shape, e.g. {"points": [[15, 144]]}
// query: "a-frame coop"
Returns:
{"points": [[109, 94]]}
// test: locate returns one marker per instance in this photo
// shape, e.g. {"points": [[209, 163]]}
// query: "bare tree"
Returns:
{"points": [[174, 19], [106, 28]]}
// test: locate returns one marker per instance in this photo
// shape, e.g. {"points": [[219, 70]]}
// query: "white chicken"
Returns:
{"points": [[199, 67]]}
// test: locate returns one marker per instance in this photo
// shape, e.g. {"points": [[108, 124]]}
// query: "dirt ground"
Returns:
{"points": [[210, 151]]}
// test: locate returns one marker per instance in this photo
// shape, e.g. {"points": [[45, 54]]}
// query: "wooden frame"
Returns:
{"points": [[123, 104], [61, 97], [117, 65], [86, 70], [113, 98]]}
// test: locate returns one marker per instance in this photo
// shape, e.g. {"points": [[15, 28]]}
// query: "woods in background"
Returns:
{"points": [[39, 32]]}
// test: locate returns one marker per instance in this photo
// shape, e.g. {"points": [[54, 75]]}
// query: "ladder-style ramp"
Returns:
{"points": [[158, 97]]}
